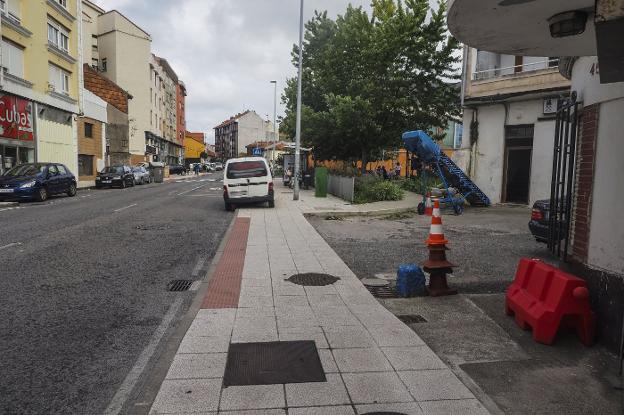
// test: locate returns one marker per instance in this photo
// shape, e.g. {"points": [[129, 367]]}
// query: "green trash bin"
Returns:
{"points": [[320, 182]]}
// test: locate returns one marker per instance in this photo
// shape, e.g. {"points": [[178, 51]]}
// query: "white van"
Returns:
{"points": [[247, 180]]}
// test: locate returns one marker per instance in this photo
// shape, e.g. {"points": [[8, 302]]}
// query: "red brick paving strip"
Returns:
{"points": [[224, 288]]}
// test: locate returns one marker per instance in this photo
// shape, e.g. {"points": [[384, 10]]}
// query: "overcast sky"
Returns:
{"points": [[226, 51]]}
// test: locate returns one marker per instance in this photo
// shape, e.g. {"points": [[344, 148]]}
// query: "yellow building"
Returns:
{"points": [[194, 145], [40, 88]]}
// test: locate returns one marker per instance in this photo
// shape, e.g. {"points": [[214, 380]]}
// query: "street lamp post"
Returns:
{"points": [[274, 116], [298, 124]]}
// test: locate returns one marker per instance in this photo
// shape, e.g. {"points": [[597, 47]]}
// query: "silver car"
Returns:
{"points": [[141, 175]]}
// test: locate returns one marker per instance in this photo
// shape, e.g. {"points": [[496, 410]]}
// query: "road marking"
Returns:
{"points": [[195, 286], [9, 208], [10, 245], [123, 393], [198, 267], [124, 208], [193, 189]]}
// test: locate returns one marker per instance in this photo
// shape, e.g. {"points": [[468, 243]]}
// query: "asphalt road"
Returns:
{"points": [[83, 289]]}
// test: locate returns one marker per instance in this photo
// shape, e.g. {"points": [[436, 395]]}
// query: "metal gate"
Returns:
{"points": [[561, 188]]}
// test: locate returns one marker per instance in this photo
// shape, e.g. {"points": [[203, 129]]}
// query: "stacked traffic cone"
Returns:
{"points": [[428, 205], [437, 266]]}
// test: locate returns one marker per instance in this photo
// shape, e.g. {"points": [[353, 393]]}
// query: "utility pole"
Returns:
{"points": [[298, 126]]}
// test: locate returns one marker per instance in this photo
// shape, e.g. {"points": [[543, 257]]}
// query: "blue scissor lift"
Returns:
{"points": [[430, 154]]}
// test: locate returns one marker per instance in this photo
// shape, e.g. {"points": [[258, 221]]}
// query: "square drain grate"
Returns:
{"points": [[385, 291], [273, 363], [179, 285], [412, 319]]}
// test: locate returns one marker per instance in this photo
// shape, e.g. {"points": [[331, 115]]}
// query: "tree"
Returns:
{"points": [[203, 155], [367, 79]]}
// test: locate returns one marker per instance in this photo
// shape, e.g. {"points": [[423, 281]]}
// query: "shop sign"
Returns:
{"points": [[16, 118]]}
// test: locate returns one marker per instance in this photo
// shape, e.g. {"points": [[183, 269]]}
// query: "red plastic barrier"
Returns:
{"points": [[543, 297]]}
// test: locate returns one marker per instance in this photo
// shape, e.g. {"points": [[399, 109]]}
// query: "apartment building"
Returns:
{"points": [[233, 135], [39, 81], [194, 146], [171, 149], [508, 123], [181, 111]]}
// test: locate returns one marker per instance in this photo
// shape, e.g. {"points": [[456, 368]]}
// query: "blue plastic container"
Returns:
{"points": [[410, 280]]}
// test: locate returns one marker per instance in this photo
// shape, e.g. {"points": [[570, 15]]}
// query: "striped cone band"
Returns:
{"points": [[436, 233]]}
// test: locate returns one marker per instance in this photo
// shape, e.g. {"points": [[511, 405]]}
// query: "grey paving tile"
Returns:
{"points": [[454, 407], [192, 344], [179, 396], [254, 323], [430, 385], [298, 321], [254, 335], [327, 360], [378, 387], [197, 366], [208, 328], [322, 301], [413, 358], [268, 311], [394, 335], [361, 360], [304, 333], [291, 300], [408, 408], [255, 301], [252, 397], [323, 290], [256, 291], [332, 392], [322, 410], [342, 337]]}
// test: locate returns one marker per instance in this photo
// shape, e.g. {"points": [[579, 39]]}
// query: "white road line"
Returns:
{"points": [[124, 208], [123, 393], [198, 267], [10, 208], [195, 286], [193, 189], [10, 245]]}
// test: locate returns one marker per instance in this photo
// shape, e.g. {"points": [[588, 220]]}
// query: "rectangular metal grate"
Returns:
{"points": [[412, 319], [273, 363], [179, 285], [382, 292]]}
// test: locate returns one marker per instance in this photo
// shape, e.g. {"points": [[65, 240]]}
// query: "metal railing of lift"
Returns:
{"points": [[511, 70]]}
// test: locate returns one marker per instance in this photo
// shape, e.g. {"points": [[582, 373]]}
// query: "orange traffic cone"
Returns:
{"points": [[437, 266], [436, 234], [428, 207]]}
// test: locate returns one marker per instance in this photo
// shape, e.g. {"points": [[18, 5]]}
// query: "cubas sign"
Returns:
{"points": [[16, 118]]}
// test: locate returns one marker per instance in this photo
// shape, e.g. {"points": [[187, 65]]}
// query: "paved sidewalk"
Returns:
{"points": [[372, 361]]}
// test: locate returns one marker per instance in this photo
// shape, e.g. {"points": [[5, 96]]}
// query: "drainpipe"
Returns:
{"points": [[464, 70], [1, 62]]}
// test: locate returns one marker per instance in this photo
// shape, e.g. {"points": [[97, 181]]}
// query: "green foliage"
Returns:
{"points": [[421, 186], [371, 189], [367, 79]]}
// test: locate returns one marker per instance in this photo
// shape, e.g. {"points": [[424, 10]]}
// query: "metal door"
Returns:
{"points": [[561, 188]]}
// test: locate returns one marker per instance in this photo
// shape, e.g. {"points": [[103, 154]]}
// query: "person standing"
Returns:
{"points": [[196, 168], [397, 170]]}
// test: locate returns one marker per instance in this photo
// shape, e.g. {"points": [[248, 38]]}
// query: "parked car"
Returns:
{"points": [[37, 181], [177, 169], [218, 166], [213, 166], [141, 175], [247, 180], [538, 225], [121, 176]]}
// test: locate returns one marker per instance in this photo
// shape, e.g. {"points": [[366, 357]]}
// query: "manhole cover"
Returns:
{"points": [[313, 279], [374, 282], [273, 363], [179, 285], [383, 292], [412, 319], [383, 413]]}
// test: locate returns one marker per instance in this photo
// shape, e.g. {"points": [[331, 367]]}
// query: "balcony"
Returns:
{"points": [[551, 64]]}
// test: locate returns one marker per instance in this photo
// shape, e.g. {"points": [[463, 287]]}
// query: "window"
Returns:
{"points": [[104, 65], [62, 3], [88, 130], [95, 64], [59, 79], [58, 35], [85, 165], [11, 9], [13, 58], [61, 169]]}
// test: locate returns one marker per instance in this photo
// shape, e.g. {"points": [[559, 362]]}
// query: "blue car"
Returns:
{"points": [[37, 181]]}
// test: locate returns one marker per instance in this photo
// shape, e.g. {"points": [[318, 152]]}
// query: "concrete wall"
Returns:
{"points": [[127, 51], [485, 164], [251, 128], [117, 134], [606, 240], [57, 143]]}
